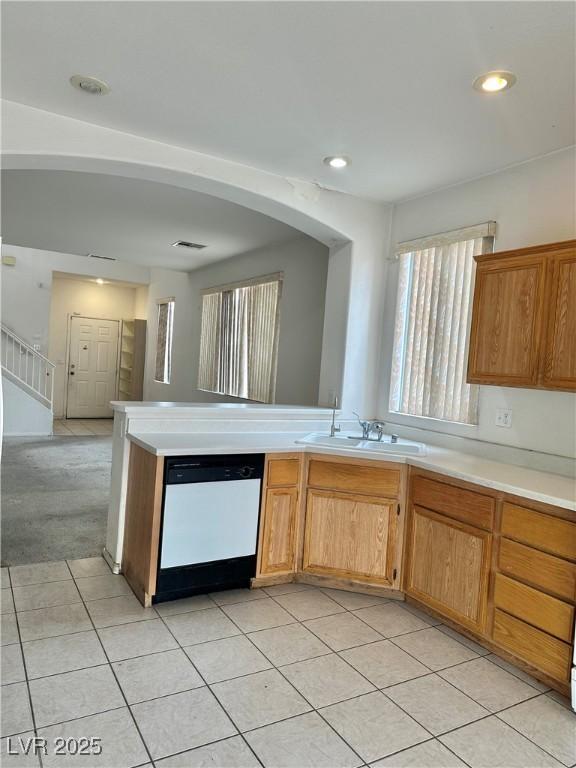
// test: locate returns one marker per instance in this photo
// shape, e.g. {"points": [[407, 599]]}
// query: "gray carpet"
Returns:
{"points": [[55, 495]]}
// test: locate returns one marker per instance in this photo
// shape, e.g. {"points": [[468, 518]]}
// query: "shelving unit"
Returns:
{"points": [[132, 354]]}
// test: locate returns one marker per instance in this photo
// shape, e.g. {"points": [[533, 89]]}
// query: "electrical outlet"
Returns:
{"points": [[504, 417]]}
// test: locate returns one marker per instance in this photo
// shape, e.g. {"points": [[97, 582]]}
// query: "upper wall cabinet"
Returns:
{"points": [[524, 318], [560, 362]]}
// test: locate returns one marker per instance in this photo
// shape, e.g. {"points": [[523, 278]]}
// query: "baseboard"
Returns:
{"points": [[115, 567]]}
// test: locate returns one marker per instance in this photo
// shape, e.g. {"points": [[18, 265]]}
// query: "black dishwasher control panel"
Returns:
{"points": [[214, 469]]}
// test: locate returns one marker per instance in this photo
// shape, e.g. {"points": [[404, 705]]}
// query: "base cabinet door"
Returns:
{"points": [[350, 536], [279, 531], [448, 567]]}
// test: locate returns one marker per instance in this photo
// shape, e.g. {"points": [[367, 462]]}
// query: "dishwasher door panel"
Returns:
{"points": [[204, 522]]}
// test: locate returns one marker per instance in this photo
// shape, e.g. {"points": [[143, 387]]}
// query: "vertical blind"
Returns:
{"points": [[239, 339], [433, 305], [163, 366]]}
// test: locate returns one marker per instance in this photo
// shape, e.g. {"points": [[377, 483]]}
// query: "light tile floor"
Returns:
{"points": [[289, 676], [83, 427]]}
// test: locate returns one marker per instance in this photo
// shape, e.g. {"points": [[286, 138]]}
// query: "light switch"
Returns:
{"points": [[504, 417]]}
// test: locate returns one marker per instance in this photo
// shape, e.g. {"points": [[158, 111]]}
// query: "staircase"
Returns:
{"points": [[32, 376]]}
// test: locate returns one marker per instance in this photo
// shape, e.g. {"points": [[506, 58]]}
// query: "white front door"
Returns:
{"points": [[92, 366]]}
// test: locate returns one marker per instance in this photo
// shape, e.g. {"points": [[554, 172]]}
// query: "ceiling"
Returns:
{"points": [[280, 85], [129, 220]]}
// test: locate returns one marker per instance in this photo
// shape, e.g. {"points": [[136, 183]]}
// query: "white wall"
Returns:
{"points": [[304, 263], [22, 414], [87, 299], [26, 287], [166, 283], [26, 291], [141, 303], [34, 138], [531, 203]]}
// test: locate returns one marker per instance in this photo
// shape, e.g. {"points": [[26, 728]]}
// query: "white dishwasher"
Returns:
{"points": [[209, 527]]}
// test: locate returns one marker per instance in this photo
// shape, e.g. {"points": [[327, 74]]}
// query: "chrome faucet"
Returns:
{"points": [[368, 427], [333, 427], [378, 427]]}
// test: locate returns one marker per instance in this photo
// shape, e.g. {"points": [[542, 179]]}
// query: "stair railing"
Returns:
{"points": [[29, 368]]}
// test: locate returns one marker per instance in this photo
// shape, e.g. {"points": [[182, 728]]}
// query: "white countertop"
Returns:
{"points": [[161, 409], [521, 481]]}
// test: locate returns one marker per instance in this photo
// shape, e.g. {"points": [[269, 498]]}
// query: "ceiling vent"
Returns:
{"points": [[186, 244], [106, 258]]}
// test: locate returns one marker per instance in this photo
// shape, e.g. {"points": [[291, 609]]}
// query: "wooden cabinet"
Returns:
{"points": [[472, 507], [448, 547], [143, 521], [448, 567], [279, 516], [534, 607], [535, 589], [353, 523], [524, 318], [539, 649], [350, 536], [560, 358], [370, 478], [279, 530], [501, 567]]}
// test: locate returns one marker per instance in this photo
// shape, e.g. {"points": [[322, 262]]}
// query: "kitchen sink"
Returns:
{"points": [[349, 442]]}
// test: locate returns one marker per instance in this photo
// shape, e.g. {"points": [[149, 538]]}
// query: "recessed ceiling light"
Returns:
{"points": [[187, 244], [90, 85], [493, 82], [337, 161], [100, 281]]}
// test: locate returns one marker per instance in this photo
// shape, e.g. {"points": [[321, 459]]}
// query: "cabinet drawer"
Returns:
{"points": [[545, 532], [283, 472], [539, 649], [468, 506], [537, 568], [536, 608], [373, 481]]}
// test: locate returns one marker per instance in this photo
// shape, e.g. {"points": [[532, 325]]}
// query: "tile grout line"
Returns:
{"points": [[479, 655], [116, 679], [495, 714], [436, 672], [309, 703], [300, 623], [25, 665], [543, 749], [337, 653], [547, 690], [274, 667], [432, 672], [228, 715], [365, 694], [314, 709]]}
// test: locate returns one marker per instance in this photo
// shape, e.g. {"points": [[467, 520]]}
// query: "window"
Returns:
{"points": [[239, 339], [163, 368], [436, 276]]}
